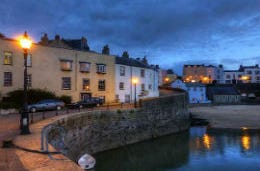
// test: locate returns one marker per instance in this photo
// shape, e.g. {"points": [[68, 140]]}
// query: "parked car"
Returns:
{"points": [[50, 104], [251, 96], [90, 102]]}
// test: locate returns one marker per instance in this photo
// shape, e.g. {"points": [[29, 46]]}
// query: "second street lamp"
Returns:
{"points": [[25, 43], [135, 81]]}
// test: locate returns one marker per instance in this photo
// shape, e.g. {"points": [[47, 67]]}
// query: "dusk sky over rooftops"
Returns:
{"points": [[169, 32]]}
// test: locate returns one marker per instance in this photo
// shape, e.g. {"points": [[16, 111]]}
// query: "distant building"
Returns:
{"points": [[179, 84], [245, 74], [128, 69], [223, 94], [197, 93], [167, 77], [203, 74]]}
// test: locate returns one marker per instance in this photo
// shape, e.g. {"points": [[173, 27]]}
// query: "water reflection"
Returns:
{"points": [[197, 150], [160, 154]]}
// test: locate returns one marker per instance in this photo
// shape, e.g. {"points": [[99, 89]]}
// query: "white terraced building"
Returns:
{"points": [[128, 69]]}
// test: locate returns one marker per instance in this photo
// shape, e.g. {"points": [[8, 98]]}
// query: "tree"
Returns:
{"points": [[125, 54], [106, 50]]}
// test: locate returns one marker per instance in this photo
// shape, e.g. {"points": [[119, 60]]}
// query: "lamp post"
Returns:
{"points": [[135, 81], [25, 43]]}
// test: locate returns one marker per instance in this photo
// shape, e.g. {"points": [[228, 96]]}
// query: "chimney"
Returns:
{"points": [[57, 37], [257, 66], [144, 60], [44, 39], [84, 44]]}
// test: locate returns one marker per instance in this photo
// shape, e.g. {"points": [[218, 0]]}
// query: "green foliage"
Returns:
{"points": [[4, 105], [66, 99], [15, 98]]}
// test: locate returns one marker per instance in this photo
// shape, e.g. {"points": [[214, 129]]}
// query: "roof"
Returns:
{"points": [[76, 44], [232, 71], [195, 85], [222, 90], [132, 62]]}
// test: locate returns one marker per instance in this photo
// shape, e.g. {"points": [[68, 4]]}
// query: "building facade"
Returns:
{"points": [[64, 71], [197, 93], [245, 74], [203, 74], [147, 78]]}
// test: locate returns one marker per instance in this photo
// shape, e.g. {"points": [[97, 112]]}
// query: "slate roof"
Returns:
{"points": [[76, 44], [132, 62], [221, 90], [195, 85]]}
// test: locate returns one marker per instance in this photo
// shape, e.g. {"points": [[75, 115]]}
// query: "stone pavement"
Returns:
{"points": [[13, 159], [230, 116]]}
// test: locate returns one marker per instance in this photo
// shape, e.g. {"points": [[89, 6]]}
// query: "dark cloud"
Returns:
{"points": [[176, 31]]}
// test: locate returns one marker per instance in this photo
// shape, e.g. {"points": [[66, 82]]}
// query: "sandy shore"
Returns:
{"points": [[232, 116]]}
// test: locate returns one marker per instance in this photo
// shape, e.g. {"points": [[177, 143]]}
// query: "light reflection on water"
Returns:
{"points": [[196, 150]]}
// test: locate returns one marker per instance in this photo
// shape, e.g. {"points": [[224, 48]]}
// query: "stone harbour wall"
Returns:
{"points": [[92, 132]]}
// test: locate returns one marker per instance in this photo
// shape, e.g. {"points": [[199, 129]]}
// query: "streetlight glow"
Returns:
{"points": [[135, 80], [25, 41]]}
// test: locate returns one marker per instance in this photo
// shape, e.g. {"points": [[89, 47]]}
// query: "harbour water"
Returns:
{"points": [[195, 150]]}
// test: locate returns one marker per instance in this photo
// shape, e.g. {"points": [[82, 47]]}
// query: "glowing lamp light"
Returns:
{"points": [[244, 77], [193, 81], [25, 41], [134, 80], [167, 79]]}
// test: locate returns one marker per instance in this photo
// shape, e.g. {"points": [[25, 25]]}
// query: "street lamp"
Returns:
{"points": [[135, 81], [25, 43]]}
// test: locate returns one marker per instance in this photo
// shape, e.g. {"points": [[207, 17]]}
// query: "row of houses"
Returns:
{"points": [[207, 74], [202, 93], [68, 67]]}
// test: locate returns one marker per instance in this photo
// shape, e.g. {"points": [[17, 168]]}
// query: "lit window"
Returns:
{"points": [[121, 86], [84, 66], [8, 58], [66, 83], [66, 65], [86, 84], [122, 71], [8, 79], [101, 85], [101, 68]]}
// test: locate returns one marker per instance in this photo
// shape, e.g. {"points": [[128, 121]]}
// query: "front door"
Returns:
{"points": [[84, 96]]}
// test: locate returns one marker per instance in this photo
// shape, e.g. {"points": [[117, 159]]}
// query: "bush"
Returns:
{"points": [[34, 95], [66, 99]]}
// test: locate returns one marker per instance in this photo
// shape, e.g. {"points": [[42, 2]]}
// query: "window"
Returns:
{"points": [[249, 72], [257, 72], [122, 71], [142, 73], [121, 86], [194, 88], [8, 58], [101, 68], [66, 83], [257, 78], [228, 76], [150, 86], [8, 79], [101, 85], [142, 87], [66, 65], [85, 84], [29, 60], [29, 80], [84, 66], [201, 89], [127, 98]]}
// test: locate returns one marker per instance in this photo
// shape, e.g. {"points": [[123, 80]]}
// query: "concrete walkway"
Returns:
{"points": [[231, 116], [12, 159]]}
